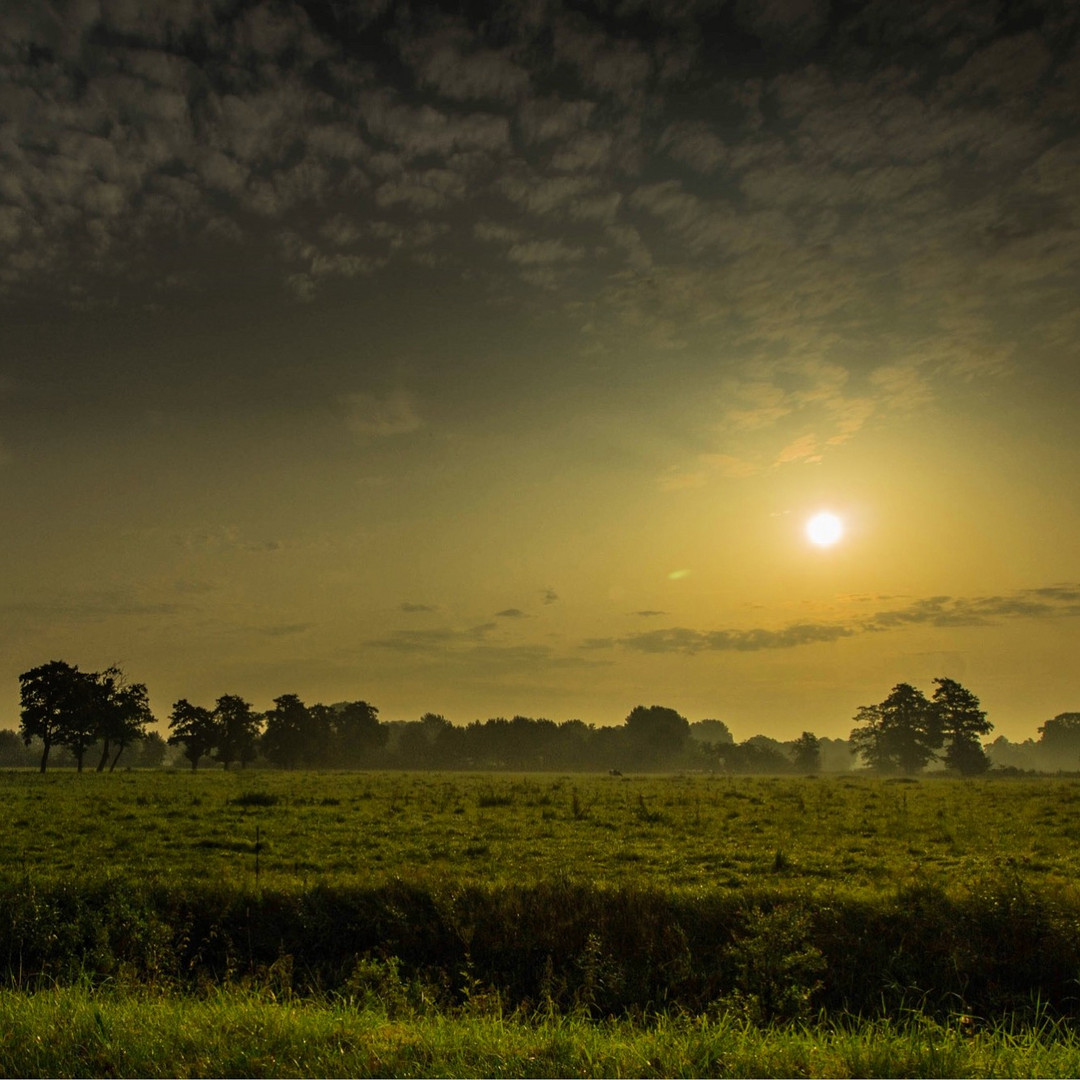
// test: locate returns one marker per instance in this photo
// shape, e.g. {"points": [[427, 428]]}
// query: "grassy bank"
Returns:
{"points": [[73, 1032]]}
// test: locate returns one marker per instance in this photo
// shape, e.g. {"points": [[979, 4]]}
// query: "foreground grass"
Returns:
{"points": [[75, 1032]]}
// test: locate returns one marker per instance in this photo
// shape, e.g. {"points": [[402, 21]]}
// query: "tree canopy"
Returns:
{"points": [[195, 728], [962, 722], [63, 706], [902, 733]]}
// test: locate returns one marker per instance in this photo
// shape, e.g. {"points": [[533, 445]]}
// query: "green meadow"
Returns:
{"points": [[438, 923], [672, 832]]}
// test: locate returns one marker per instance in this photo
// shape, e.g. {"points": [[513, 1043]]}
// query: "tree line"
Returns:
{"points": [[104, 712]]}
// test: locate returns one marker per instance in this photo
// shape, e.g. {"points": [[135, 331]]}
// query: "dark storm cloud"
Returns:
{"points": [[511, 613], [1059, 601]]}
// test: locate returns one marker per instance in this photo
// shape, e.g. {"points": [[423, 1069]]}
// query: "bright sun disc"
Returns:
{"points": [[824, 529]]}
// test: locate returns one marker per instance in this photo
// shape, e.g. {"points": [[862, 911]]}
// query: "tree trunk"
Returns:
{"points": [[45, 755], [117, 758], [104, 757], [78, 760]]}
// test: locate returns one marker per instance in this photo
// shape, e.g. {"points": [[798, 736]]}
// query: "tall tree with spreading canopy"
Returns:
{"points": [[320, 742], [123, 714], [238, 730], [194, 727], [49, 694], [287, 737], [1061, 737], [962, 723], [903, 732], [806, 753], [656, 734], [82, 721], [358, 735]]}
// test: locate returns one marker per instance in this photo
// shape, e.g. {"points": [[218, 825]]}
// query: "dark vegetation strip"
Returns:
{"points": [[995, 950]]}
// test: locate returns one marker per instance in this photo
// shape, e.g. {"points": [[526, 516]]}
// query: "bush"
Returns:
{"points": [[567, 944]]}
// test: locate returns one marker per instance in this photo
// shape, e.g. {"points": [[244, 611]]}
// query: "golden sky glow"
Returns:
{"points": [[495, 369]]}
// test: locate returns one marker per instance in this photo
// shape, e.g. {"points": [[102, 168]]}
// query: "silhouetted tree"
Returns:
{"points": [[836, 754], [806, 753], [287, 733], [711, 731], [319, 745], [758, 754], [14, 753], [79, 731], [575, 745], [57, 708], [122, 714], [196, 728], [656, 734], [1059, 738], [430, 742], [902, 732], [448, 744], [961, 722], [413, 748], [238, 730], [358, 735], [151, 751]]}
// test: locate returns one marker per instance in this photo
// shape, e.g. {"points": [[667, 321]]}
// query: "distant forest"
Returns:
{"points": [[71, 718]]}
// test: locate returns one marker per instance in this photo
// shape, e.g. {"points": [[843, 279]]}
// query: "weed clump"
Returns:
{"points": [[254, 798]]}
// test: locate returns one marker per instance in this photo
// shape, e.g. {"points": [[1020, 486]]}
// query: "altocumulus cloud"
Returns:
{"points": [[350, 140], [371, 416], [1057, 601], [681, 640]]}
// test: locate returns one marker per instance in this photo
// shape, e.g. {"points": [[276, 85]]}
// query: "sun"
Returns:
{"points": [[824, 529]]}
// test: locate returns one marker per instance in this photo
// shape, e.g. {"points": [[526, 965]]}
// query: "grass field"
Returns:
{"points": [[674, 832], [678, 925]]}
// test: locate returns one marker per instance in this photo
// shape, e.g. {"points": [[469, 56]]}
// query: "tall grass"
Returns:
{"points": [[73, 1032]]}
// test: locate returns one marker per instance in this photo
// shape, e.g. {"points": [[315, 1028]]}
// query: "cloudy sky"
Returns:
{"points": [[493, 363]]}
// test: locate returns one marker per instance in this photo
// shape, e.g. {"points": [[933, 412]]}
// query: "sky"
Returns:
{"points": [[491, 359]]}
